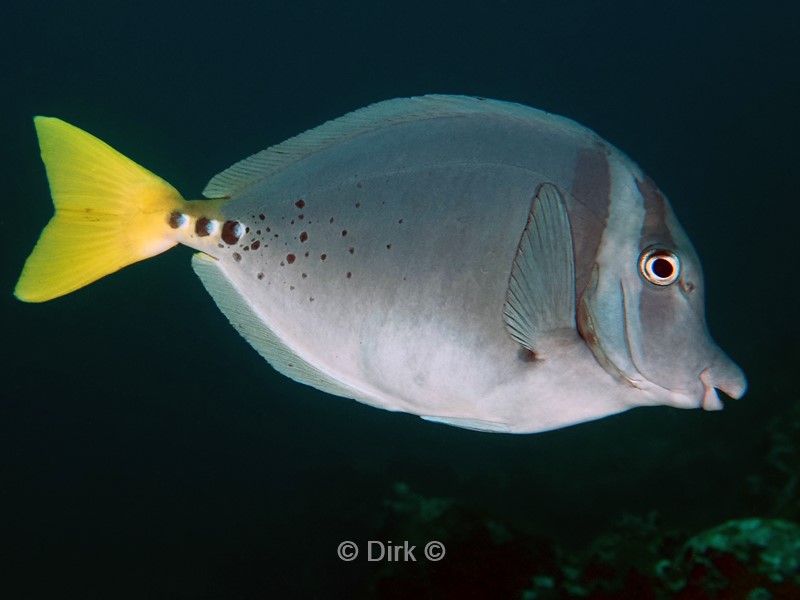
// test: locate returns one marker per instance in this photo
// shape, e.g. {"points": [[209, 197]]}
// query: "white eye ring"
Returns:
{"points": [[659, 266]]}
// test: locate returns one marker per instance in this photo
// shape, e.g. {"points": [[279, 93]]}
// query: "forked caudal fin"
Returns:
{"points": [[109, 213]]}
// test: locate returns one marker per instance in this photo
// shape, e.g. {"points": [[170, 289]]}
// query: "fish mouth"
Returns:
{"points": [[726, 377], [624, 360], [721, 373]]}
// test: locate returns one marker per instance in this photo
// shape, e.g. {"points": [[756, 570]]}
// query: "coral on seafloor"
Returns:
{"points": [[744, 558], [756, 558], [748, 559]]}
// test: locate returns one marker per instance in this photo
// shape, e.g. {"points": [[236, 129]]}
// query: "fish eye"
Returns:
{"points": [[659, 266]]}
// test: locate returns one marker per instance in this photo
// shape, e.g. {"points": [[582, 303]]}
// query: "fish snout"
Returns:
{"points": [[726, 376]]}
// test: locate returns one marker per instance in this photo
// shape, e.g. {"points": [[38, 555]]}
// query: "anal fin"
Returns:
{"points": [[267, 343], [540, 301], [473, 424]]}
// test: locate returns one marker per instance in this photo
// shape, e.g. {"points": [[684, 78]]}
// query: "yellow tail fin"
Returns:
{"points": [[109, 213]]}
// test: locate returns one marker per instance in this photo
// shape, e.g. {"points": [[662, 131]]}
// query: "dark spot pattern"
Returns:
{"points": [[176, 219], [201, 226], [300, 240], [231, 231]]}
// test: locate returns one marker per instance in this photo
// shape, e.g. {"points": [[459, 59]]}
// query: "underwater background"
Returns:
{"points": [[146, 451]]}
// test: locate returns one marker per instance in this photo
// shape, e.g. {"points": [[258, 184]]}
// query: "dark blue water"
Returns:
{"points": [[147, 451]]}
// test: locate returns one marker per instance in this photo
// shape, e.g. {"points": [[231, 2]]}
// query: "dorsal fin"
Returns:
{"points": [[376, 116], [540, 301]]}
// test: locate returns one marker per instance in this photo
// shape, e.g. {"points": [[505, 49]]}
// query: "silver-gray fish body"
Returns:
{"points": [[379, 251]]}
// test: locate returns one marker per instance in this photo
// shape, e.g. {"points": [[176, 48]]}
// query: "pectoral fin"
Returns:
{"points": [[540, 302]]}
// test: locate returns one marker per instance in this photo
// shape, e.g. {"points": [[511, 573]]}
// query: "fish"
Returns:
{"points": [[475, 262]]}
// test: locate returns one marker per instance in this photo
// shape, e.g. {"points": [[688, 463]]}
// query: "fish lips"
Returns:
{"points": [[725, 376]]}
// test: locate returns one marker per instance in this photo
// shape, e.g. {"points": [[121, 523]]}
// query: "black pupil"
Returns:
{"points": [[662, 268]]}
